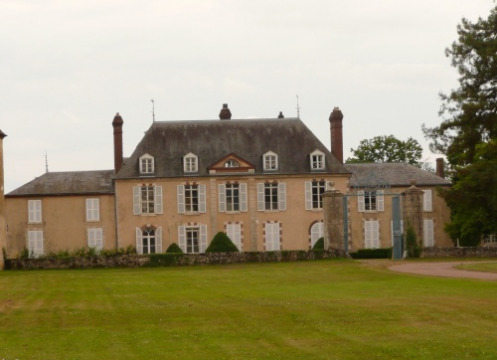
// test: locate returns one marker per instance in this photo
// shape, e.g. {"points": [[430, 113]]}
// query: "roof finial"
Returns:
{"points": [[298, 107], [46, 162]]}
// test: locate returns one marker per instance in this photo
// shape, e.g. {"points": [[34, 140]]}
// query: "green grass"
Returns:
{"points": [[305, 310], [483, 266]]}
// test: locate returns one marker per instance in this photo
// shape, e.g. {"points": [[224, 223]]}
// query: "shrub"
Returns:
{"points": [[221, 243], [319, 245], [164, 259], [385, 253], [174, 249]]}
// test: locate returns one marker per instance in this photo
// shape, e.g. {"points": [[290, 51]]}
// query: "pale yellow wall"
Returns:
{"points": [[295, 221], [440, 214], [63, 223]]}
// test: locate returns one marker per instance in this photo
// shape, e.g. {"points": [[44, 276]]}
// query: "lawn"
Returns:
{"points": [[480, 266], [307, 310]]}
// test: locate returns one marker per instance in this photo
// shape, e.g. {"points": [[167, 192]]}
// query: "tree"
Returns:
{"points": [[468, 132], [387, 149]]}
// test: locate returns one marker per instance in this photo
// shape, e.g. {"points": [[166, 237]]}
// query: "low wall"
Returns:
{"points": [[460, 252], [132, 261]]}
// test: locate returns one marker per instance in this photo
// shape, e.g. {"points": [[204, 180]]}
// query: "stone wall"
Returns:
{"points": [[131, 261], [460, 252]]}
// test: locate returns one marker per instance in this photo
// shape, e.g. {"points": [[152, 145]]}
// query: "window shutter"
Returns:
{"points": [[360, 201], [282, 196], [182, 237], [202, 208], [243, 197], [139, 241], [203, 238], [158, 199], [428, 239], [371, 234], [181, 198], [158, 240], [222, 197], [34, 211], [380, 200], [260, 197], [308, 195], [234, 233], [136, 200], [427, 200]]}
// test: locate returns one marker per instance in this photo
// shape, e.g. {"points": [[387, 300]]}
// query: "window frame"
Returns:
{"points": [[270, 161], [275, 190], [371, 201], [272, 236], [35, 211], [139, 206], [35, 243], [190, 163], [371, 234], [92, 209], [95, 238], [317, 160], [147, 164]]}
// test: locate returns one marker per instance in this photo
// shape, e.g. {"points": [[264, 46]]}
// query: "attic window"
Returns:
{"points": [[231, 163], [190, 163], [317, 160], [146, 164], [270, 161]]}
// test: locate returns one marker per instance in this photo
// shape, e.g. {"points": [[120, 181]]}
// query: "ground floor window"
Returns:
{"points": [[35, 243], [317, 232], [272, 236], [428, 233], [148, 240], [192, 238], [234, 232], [95, 238], [371, 234]]}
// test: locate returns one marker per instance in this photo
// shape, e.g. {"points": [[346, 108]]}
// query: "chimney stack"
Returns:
{"points": [[117, 124], [440, 168], [336, 118], [225, 113]]}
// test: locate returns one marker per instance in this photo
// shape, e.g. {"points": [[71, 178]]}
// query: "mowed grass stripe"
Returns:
{"points": [[313, 310]]}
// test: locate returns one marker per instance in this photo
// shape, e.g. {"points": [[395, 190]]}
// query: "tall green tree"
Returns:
{"points": [[387, 149], [468, 130]]}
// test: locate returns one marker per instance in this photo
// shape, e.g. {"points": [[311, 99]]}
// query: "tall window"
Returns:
{"points": [[95, 238], [146, 164], [272, 236], [192, 238], [371, 234], [270, 161], [428, 233], [191, 198], [190, 163], [271, 196], [34, 211], [147, 199], [371, 200], [314, 194], [317, 231], [317, 160], [232, 197], [234, 232], [93, 209], [35, 243], [427, 200], [149, 240]]}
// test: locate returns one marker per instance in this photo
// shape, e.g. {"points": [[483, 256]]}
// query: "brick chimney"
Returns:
{"points": [[440, 168], [336, 118], [3, 230], [117, 124], [225, 113]]}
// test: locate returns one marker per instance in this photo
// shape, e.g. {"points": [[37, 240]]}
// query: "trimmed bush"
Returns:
{"points": [[221, 243], [174, 249], [385, 253], [319, 245]]}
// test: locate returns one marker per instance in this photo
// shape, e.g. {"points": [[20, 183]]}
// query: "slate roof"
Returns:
{"points": [[211, 140], [68, 183], [392, 174]]}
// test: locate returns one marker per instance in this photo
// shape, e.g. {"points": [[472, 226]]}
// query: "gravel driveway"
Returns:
{"points": [[442, 269]]}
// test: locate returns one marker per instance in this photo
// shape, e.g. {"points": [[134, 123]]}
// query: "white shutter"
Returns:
{"points": [[158, 240], [35, 243], [272, 236], [308, 195], [360, 201], [136, 201], [34, 211], [380, 200], [243, 197], [260, 197], [92, 209], [316, 233], [235, 234], [203, 238], [180, 189], [428, 233], [202, 208], [222, 197], [427, 200], [282, 196], [182, 237], [139, 241], [371, 234], [158, 199]]}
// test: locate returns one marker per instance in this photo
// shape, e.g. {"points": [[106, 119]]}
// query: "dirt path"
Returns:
{"points": [[442, 269]]}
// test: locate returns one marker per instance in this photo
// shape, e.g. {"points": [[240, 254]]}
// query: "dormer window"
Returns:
{"points": [[190, 163], [317, 160], [146, 164], [231, 163], [270, 161]]}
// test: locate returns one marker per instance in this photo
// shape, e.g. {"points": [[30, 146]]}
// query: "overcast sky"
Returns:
{"points": [[68, 66]]}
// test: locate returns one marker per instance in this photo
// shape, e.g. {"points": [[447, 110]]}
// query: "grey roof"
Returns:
{"points": [[392, 174], [211, 140], [68, 183]]}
